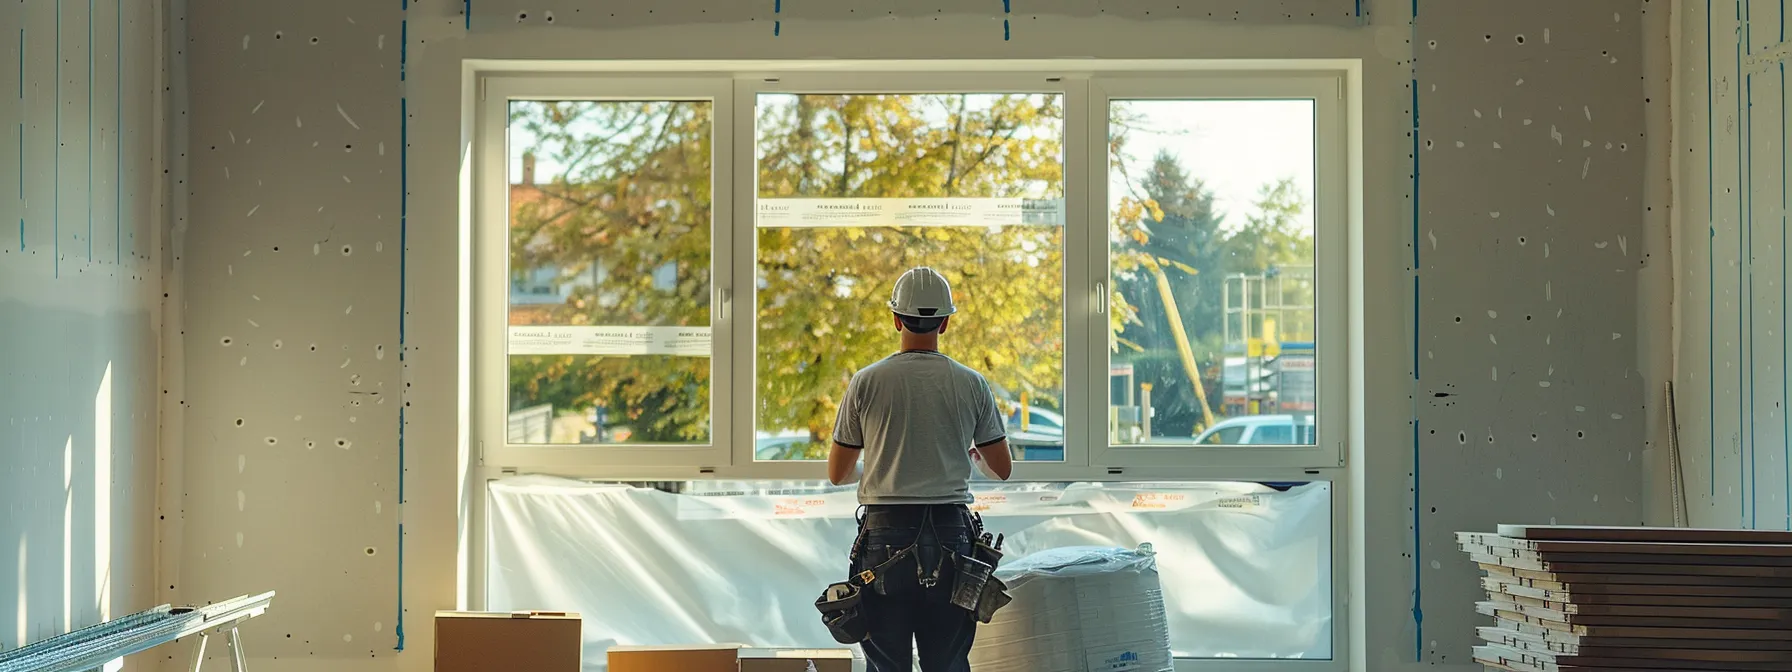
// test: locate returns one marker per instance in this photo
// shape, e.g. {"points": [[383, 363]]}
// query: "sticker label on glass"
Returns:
{"points": [[581, 340]]}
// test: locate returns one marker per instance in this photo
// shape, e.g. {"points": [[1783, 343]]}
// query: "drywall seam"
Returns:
{"points": [[404, 247], [1711, 247], [1657, 322], [1418, 547], [171, 90]]}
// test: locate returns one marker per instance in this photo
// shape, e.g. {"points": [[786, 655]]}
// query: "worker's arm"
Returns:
{"points": [[991, 439], [848, 440], [994, 459], [843, 464]]}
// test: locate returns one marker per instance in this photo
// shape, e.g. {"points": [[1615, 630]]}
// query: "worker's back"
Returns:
{"points": [[916, 414]]}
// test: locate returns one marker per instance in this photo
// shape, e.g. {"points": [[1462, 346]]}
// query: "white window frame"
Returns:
{"points": [[1086, 86], [1331, 291], [492, 279]]}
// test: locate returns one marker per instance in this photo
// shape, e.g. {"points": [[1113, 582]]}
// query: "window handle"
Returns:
{"points": [[1101, 298], [727, 303]]}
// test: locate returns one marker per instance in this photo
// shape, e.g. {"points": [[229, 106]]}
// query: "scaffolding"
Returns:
{"points": [[1268, 335]]}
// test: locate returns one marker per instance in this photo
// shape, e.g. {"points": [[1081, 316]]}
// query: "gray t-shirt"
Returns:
{"points": [[916, 414]]}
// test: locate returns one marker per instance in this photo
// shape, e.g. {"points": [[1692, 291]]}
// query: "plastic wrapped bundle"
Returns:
{"points": [[1079, 609]]}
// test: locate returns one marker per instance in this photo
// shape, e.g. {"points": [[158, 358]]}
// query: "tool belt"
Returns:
{"points": [[975, 587]]}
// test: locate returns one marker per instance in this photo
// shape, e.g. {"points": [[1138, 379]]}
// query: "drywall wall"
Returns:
{"points": [[1531, 241], [263, 92], [288, 463], [80, 305], [1730, 183]]}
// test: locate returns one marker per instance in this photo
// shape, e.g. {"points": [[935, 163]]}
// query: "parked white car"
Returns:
{"points": [[1259, 430]]}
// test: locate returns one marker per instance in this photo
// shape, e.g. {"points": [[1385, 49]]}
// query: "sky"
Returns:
{"points": [[1235, 146]]}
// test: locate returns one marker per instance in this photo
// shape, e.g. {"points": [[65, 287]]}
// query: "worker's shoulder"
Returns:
{"points": [[906, 363]]}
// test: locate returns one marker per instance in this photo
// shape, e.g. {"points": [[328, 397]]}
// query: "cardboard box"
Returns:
{"points": [[691, 658], [795, 660], [501, 642]]}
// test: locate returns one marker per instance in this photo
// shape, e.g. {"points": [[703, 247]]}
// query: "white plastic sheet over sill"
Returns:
{"points": [[1246, 570]]}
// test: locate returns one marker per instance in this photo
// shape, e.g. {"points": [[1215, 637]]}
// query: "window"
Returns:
{"points": [[1224, 283], [610, 216], [854, 189], [676, 273]]}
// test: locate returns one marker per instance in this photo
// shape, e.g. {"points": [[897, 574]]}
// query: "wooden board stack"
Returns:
{"points": [[1634, 599]]}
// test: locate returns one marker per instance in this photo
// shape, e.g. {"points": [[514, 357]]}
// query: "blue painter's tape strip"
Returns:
{"points": [[89, 131], [404, 200], [1006, 34], [1418, 607], [118, 134], [56, 176], [400, 628], [404, 46], [777, 23], [466, 11]]}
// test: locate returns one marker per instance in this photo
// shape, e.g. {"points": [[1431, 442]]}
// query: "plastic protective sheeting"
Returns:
{"points": [[1246, 570], [1079, 609]]}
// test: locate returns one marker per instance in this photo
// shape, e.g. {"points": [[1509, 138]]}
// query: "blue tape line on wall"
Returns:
{"points": [[118, 134], [89, 131], [56, 176], [1418, 608]]}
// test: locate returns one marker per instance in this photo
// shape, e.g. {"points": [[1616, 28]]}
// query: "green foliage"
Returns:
{"points": [[634, 196], [821, 305]]}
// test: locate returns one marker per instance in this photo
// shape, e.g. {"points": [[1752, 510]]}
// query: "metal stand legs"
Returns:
{"points": [[237, 658], [199, 651]]}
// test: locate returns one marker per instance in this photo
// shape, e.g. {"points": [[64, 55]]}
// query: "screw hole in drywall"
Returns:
{"points": [[239, 422]]}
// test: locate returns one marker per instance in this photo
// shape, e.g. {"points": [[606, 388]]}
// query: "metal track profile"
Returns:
{"points": [[92, 647]]}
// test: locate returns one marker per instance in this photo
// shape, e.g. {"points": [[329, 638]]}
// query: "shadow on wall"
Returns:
{"points": [[77, 441]]}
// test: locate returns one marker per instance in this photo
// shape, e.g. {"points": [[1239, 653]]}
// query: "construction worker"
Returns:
{"points": [[919, 420]]}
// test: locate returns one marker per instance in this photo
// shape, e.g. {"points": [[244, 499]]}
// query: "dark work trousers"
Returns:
{"points": [[907, 617]]}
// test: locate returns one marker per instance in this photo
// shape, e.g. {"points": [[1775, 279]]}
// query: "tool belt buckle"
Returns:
{"points": [[866, 577]]}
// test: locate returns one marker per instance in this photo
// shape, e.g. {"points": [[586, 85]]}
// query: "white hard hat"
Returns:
{"points": [[922, 292]]}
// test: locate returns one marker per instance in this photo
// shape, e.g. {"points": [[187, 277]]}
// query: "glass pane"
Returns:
{"points": [[609, 310], [1245, 569], [855, 189], [1211, 335]]}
